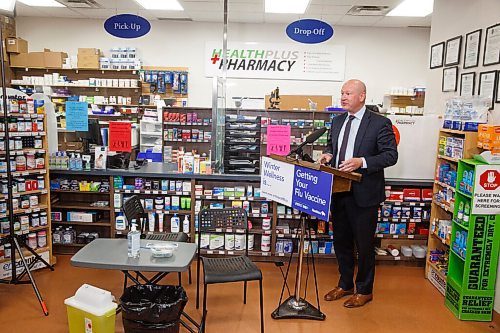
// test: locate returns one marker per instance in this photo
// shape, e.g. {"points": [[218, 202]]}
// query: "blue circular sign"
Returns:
{"points": [[127, 26], [309, 31]]}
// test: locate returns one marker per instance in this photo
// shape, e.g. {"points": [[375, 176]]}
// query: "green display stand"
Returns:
{"points": [[470, 290]]}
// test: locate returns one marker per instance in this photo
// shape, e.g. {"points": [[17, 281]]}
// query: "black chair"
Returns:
{"points": [[133, 210], [226, 269]]}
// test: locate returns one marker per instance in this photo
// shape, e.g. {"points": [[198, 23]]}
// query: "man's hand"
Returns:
{"points": [[324, 158], [351, 164]]}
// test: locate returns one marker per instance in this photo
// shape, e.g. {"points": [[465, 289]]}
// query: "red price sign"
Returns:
{"points": [[120, 136]]}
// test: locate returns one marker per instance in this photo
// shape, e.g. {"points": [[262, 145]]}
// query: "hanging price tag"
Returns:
{"points": [[278, 139]]}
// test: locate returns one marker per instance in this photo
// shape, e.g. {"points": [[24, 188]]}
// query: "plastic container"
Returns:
{"points": [[406, 251], [418, 251], [91, 310]]}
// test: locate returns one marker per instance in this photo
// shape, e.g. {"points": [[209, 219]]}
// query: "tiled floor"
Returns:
{"points": [[403, 302]]}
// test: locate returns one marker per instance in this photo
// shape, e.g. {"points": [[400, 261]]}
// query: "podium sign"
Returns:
{"points": [[296, 186]]}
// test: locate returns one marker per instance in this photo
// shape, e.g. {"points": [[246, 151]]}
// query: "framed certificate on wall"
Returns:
{"points": [[467, 84], [450, 77], [487, 81], [491, 54], [497, 98], [472, 46], [437, 55], [453, 48]]}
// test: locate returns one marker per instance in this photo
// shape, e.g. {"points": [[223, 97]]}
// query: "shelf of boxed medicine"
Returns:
{"points": [[152, 192], [26, 69], [186, 123], [444, 185], [72, 86], [78, 206], [92, 224], [451, 159]]}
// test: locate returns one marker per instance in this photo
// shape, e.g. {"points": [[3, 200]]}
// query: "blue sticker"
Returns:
{"points": [[309, 31], [77, 116], [312, 191], [127, 26]]}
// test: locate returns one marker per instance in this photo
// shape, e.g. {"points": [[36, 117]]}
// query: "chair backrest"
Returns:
{"points": [[227, 220], [132, 208]]}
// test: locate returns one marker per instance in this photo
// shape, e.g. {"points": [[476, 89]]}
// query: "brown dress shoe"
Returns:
{"points": [[357, 300], [337, 293]]}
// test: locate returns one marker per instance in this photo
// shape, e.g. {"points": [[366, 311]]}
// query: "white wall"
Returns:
{"points": [[382, 57], [453, 18]]}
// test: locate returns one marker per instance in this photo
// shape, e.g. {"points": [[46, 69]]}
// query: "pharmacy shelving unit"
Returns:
{"points": [[475, 239], [130, 111], [31, 217], [442, 206]]}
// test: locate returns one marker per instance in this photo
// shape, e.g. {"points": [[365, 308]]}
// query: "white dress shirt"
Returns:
{"points": [[352, 136]]}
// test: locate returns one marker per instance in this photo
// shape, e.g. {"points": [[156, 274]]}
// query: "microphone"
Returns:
{"points": [[310, 139]]}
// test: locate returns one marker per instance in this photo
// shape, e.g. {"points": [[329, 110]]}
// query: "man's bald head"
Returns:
{"points": [[353, 95]]}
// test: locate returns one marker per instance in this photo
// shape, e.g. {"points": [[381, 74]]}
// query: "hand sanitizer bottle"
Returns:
{"points": [[185, 225], [175, 223], [134, 241]]}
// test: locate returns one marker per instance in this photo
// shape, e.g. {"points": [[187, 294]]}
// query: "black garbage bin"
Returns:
{"points": [[152, 308]]}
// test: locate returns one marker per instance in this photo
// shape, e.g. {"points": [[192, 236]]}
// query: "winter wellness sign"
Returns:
{"points": [[298, 187], [276, 61]]}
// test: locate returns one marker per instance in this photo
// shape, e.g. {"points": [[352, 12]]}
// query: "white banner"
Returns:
{"points": [[486, 199], [277, 61], [276, 182], [6, 267]]}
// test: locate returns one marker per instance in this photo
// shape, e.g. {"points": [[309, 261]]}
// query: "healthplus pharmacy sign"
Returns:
{"points": [[276, 61]]}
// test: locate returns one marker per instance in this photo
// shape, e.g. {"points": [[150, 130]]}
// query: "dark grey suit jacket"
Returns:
{"points": [[375, 141]]}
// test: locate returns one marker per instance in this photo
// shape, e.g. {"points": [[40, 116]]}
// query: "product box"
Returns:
{"points": [[88, 52], [396, 212], [386, 211], [175, 202], [19, 60], [426, 194], [56, 216], [36, 60], [400, 228], [411, 228], [16, 45], [54, 59], [411, 194], [80, 217], [383, 228], [218, 191], [239, 191], [395, 196], [88, 61], [216, 205], [405, 212], [198, 190], [207, 192], [204, 241], [229, 191]]}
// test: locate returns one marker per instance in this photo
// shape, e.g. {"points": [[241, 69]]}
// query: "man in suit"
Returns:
{"points": [[361, 141]]}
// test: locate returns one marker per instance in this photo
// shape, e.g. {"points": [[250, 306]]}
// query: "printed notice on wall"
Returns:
{"points": [[77, 117], [120, 136], [278, 139], [486, 199], [276, 61]]}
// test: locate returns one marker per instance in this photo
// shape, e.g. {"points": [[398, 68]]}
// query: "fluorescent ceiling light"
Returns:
{"points": [[416, 8], [287, 6], [7, 5], [160, 4], [42, 3]]}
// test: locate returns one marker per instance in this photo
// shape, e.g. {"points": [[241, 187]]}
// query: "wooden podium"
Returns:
{"points": [[296, 307]]}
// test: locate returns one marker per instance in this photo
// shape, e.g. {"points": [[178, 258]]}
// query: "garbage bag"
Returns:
{"points": [[153, 303], [132, 326]]}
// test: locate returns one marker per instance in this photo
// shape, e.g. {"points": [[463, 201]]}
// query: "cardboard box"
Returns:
{"points": [[88, 52], [36, 60], [411, 194], [54, 59], [16, 45], [19, 59], [426, 194], [88, 61]]}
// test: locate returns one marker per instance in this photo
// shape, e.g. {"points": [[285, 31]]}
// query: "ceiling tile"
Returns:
{"points": [[203, 6], [257, 6], [360, 21], [206, 16], [246, 17], [62, 12], [100, 13], [119, 4], [396, 22], [282, 18], [24, 10], [334, 2], [328, 10]]}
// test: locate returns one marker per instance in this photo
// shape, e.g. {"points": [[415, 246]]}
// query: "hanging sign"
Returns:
{"points": [[276, 61], [77, 116], [309, 31], [127, 26], [305, 189], [278, 139], [120, 136]]}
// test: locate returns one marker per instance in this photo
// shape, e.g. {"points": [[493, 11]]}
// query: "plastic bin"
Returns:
{"points": [[91, 310], [152, 308]]}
